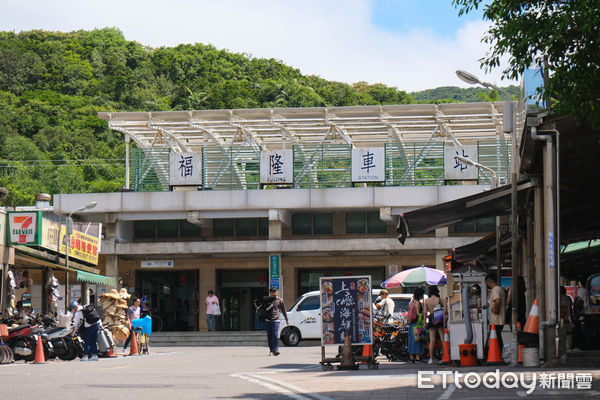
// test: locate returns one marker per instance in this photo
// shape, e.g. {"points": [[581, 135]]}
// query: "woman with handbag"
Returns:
{"points": [[434, 310], [416, 342], [212, 309]]}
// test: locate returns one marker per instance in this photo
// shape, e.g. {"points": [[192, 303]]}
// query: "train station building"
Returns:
{"points": [[240, 200]]}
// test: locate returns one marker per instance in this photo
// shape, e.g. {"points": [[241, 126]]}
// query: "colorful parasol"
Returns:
{"points": [[419, 276]]}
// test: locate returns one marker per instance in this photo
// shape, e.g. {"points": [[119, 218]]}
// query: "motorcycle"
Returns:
{"points": [[23, 342]]}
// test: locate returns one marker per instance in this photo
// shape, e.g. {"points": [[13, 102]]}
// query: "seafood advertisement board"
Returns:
{"points": [[346, 307]]}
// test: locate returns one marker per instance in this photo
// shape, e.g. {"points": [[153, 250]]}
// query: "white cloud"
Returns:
{"points": [[333, 39]]}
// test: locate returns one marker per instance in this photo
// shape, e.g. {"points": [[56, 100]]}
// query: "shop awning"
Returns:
{"points": [[487, 204], [81, 275], [95, 278], [480, 248]]}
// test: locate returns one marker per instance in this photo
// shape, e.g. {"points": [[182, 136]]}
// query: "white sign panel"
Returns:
{"points": [[457, 170], [368, 165], [157, 263], [277, 166], [23, 227], [185, 169]]}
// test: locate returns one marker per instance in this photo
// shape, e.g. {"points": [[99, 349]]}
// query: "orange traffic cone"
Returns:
{"points": [[521, 346], [134, 346], [494, 355], [39, 352], [446, 357], [111, 353], [367, 350], [533, 320]]}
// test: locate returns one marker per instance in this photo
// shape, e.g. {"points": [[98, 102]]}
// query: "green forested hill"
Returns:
{"points": [[52, 85]]}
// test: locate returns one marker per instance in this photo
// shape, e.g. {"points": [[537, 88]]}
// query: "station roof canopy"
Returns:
{"points": [[275, 128]]}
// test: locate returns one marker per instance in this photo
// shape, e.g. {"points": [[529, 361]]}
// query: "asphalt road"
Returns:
{"points": [[248, 373]]}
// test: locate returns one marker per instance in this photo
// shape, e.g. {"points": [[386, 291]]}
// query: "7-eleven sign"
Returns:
{"points": [[22, 227]]}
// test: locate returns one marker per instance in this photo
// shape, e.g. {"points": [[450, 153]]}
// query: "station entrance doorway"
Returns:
{"points": [[173, 297], [238, 289]]}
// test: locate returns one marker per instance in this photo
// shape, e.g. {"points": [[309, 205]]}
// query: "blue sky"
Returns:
{"points": [[409, 44], [404, 15]]}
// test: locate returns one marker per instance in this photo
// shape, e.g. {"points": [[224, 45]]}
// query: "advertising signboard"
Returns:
{"points": [[81, 246], [346, 308], [24, 228]]}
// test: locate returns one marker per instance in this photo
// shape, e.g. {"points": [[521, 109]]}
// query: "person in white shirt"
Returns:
{"points": [[90, 333], [212, 309], [385, 304]]}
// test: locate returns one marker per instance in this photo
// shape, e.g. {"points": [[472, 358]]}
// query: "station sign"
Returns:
{"points": [[457, 170], [157, 264], [275, 271], [368, 164], [185, 169], [277, 166]]}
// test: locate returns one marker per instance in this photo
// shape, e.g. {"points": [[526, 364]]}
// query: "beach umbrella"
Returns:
{"points": [[419, 276]]}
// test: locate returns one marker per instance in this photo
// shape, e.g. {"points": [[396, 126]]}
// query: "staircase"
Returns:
{"points": [[215, 338]]}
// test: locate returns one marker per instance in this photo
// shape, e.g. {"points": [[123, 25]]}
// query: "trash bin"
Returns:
{"points": [[468, 354]]}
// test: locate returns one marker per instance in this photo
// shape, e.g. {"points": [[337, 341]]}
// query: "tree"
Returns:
{"points": [[563, 35]]}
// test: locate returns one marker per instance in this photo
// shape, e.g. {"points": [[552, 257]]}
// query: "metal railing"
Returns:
{"points": [[316, 166]]}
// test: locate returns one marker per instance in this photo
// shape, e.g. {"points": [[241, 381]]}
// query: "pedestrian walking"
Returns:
{"points": [[496, 305], [416, 346], [133, 312], [212, 309], [88, 316], [275, 308]]}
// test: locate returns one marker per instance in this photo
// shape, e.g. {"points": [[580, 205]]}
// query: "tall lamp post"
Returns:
{"points": [[508, 127], [68, 234], [494, 184]]}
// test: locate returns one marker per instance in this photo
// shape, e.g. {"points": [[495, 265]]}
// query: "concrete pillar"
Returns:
{"points": [[207, 281], [112, 267], [85, 293], [288, 272], [275, 230]]}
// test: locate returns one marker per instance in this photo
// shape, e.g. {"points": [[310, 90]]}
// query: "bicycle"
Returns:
{"points": [[143, 341], [157, 323]]}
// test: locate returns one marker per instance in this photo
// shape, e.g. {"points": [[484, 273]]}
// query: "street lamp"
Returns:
{"points": [[69, 229], [494, 184], [508, 127]]}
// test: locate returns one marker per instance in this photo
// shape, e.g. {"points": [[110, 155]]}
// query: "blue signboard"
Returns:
{"points": [[346, 309], [274, 283]]}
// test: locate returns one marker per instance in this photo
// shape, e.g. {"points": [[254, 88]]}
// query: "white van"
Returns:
{"points": [[304, 316]]}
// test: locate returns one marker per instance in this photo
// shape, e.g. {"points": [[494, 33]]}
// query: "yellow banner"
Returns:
{"points": [[81, 246]]}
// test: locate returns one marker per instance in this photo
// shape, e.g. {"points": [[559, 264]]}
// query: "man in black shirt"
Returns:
{"points": [[275, 308]]}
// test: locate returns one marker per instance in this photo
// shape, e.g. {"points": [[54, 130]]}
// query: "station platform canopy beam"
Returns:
{"points": [[274, 128]]}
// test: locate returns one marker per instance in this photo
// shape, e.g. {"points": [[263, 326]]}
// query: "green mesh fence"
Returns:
{"points": [[316, 166]]}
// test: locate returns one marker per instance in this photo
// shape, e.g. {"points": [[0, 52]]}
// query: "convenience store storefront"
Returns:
{"points": [[39, 274]]}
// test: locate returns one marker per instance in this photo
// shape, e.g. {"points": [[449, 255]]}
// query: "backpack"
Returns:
{"points": [[264, 311], [412, 313], [90, 314]]}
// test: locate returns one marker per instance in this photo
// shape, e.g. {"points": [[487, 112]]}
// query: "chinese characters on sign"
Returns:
{"points": [[277, 166], [368, 165], [346, 309], [185, 169], [457, 170], [81, 245]]}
